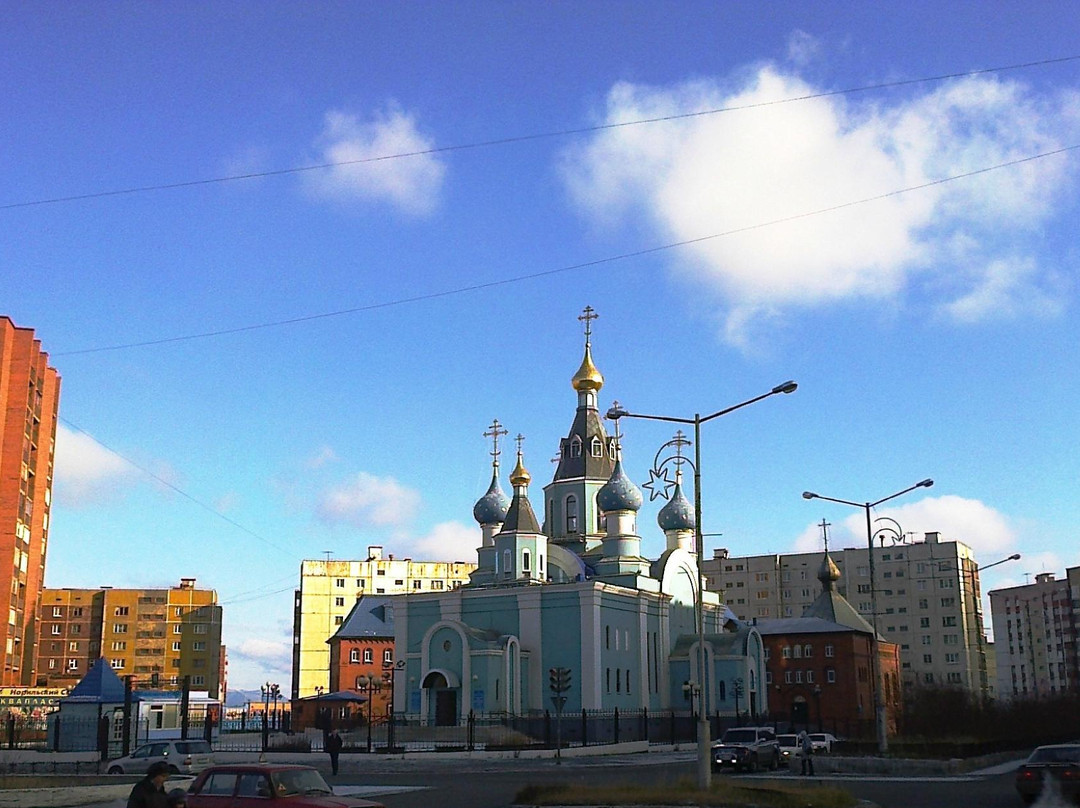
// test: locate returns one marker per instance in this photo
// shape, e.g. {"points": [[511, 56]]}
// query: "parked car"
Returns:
{"points": [[747, 749], [1056, 767], [183, 757], [822, 742], [789, 746], [262, 786]]}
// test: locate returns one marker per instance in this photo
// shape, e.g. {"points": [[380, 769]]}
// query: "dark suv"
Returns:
{"points": [[747, 749]]}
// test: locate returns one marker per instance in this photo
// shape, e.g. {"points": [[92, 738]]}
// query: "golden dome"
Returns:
{"points": [[520, 475], [587, 376]]}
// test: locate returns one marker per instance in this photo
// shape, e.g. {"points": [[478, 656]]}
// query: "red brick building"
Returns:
{"points": [[29, 396], [819, 667], [361, 662]]}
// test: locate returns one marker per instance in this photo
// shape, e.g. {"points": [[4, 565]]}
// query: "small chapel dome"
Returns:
{"points": [[678, 514], [619, 493], [587, 376], [828, 573], [520, 475], [491, 508]]}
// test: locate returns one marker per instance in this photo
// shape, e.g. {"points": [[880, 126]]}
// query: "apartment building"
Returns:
{"points": [[329, 589], [158, 636], [928, 601], [1035, 636], [29, 396]]}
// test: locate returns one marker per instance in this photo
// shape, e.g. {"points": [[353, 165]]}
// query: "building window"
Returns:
{"points": [[948, 622], [830, 676], [417, 583], [575, 446], [387, 655], [199, 628], [339, 620], [810, 677], [597, 447], [439, 584], [928, 659], [118, 664], [787, 677], [75, 629], [797, 652], [571, 514], [354, 655], [119, 646], [367, 656], [807, 651], [198, 680], [526, 561], [924, 622], [57, 611], [785, 652], [198, 646], [339, 601], [118, 628], [120, 611], [954, 678], [73, 664], [55, 629], [176, 646], [339, 582], [618, 680], [73, 646], [178, 629], [829, 651], [627, 680]]}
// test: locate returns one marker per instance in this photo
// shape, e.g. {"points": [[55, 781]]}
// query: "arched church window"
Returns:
{"points": [[572, 512], [723, 690], [354, 655], [596, 446], [575, 446], [526, 561]]}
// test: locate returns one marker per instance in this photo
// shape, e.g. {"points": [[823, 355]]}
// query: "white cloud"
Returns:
{"points": [[447, 541], [411, 184], [802, 48], [87, 472], [982, 528], [725, 172], [367, 500], [274, 652], [321, 458]]}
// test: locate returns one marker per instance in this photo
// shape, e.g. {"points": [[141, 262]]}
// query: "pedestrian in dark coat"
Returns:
{"points": [[807, 748], [150, 791], [333, 748]]}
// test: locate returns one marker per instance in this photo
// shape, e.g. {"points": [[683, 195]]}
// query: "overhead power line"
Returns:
{"points": [[158, 478], [401, 301], [512, 139]]}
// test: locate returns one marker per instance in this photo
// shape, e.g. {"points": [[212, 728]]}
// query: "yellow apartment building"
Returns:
{"points": [[329, 589], [158, 636]]}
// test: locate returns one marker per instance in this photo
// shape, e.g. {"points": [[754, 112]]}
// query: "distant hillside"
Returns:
{"points": [[238, 698]]}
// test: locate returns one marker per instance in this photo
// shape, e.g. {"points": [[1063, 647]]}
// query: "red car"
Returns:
{"points": [[265, 786]]}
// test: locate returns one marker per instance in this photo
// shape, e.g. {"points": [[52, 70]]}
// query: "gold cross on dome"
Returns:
{"points": [[588, 315], [520, 439], [825, 533]]}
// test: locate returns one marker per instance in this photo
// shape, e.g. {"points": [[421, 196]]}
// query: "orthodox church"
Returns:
{"points": [[574, 592]]}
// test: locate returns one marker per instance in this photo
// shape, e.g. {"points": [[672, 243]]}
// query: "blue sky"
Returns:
{"points": [[932, 332]]}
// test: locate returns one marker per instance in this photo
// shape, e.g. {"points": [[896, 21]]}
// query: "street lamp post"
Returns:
{"points": [[390, 670], [318, 711], [368, 685], [984, 684], [616, 412], [875, 661]]}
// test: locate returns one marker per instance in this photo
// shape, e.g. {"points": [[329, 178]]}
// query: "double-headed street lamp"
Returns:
{"points": [[875, 663], [617, 412]]}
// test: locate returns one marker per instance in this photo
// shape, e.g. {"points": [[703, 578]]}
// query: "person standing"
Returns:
{"points": [[333, 748], [807, 749], [150, 791]]}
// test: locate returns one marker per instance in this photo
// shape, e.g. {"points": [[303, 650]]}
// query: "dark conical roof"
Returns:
{"points": [[520, 516]]}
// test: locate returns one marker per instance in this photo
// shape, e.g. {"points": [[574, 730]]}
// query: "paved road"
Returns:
{"points": [[494, 783]]}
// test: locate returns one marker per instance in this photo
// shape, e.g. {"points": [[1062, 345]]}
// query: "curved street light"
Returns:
{"points": [[616, 412], [875, 662]]}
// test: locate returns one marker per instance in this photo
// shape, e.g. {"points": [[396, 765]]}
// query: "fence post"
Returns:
{"points": [[185, 700], [471, 732], [11, 731], [127, 715], [616, 733], [102, 736], [645, 723], [208, 727], [672, 738], [584, 728], [547, 728], [56, 734]]}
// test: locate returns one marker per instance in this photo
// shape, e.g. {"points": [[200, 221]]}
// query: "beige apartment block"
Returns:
{"points": [[157, 636], [928, 601], [329, 589], [1035, 636]]}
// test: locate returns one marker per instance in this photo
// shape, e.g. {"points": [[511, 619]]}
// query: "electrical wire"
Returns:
{"points": [[175, 488], [504, 141], [402, 301]]}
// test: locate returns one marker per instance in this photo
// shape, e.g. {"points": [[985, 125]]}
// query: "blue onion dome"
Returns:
{"points": [[619, 493], [678, 514], [491, 508]]}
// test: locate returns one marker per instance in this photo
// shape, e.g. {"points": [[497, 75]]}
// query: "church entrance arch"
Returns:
{"points": [[445, 699]]}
